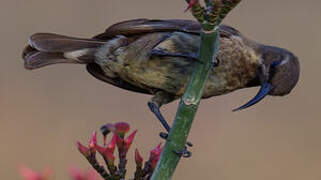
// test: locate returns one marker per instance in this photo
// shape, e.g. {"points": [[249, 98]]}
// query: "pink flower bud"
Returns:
{"points": [[93, 142], [101, 150], [119, 142], [29, 174], [156, 151], [129, 140], [77, 174], [155, 155], [107, 154], [110, 157], [106, 129], [83, 149], [112, 143], [122, 128], [191, 4], [138, 158]]}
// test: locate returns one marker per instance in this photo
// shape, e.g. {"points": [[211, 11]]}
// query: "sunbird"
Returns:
{"points": [[157, 57]]}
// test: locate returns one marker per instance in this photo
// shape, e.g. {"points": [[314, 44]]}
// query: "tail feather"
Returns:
{"points": [[44, 49], [48, 42]]}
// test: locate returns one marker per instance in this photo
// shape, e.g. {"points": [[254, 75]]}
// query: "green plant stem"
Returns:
{"points": [[188, 106]]}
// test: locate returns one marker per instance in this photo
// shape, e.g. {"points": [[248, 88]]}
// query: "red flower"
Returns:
{"points": [[155, 154], [138, 158], [106, 129], [112, 143], [119, 142], [93, 142], [91, 149], [77, 174], [191, 4], [124, 144], [83, 149], [129, 140], [107, 154], [121, 128], [29, 174]]}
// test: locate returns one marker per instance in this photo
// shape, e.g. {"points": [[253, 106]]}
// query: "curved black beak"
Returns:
{"points": [[265, 89]]}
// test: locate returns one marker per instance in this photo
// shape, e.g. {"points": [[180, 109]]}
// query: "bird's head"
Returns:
{"points": [[278, 73]]}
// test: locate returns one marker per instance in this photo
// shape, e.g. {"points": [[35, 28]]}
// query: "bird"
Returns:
{"points": [[156, 57]]}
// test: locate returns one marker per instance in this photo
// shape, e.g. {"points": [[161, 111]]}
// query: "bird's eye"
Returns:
{"points": [[275, 63]]}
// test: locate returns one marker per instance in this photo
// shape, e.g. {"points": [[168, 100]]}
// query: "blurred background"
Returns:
{"points": [[43, 112]]}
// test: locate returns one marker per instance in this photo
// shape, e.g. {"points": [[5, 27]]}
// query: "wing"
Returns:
{"points": [[97, 72], [138, 27], [141, 26]]}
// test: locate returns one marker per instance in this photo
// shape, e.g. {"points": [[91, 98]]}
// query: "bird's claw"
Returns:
{"points": [[164, 135], [189, 144], [217, 63], [183, 153]]}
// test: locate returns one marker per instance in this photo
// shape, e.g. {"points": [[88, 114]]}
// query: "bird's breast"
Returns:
{"points": [[238, 66]]}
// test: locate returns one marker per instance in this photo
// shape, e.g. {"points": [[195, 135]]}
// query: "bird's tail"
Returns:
{"points": [[46, 48]]}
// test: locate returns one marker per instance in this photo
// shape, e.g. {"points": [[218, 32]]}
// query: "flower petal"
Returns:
{"points": [[83, 149], [138, 158], [129, 140]]}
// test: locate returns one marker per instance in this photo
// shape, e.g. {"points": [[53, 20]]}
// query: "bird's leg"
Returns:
{"points": [[154, 104], [155, 109]]}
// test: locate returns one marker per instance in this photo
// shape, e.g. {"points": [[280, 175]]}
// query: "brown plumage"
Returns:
{"points": [[157, 56]]}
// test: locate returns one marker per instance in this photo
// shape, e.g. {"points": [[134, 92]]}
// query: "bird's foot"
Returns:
{"points": [[155, 109], [163, 135], [216, 63], [182, 153]]}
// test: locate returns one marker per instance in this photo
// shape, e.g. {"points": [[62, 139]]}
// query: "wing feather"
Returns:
{"points": [[141, 26], [97, 72]]}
